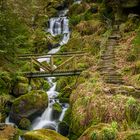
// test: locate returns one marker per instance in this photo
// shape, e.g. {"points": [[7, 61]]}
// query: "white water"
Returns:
{"points": [[77, 1], [58, 25]]}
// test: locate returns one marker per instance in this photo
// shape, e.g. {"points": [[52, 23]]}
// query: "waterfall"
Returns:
{"points": [[57, 25]]}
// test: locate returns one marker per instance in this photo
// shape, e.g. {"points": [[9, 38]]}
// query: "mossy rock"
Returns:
{"points": [[21, 79], [67, 116], [37, 84], [29, 106], [5, 83], [43, 134], [20, 89], [25, 124], [100, 132], [57, 109], [89, 27], [46, 86]]}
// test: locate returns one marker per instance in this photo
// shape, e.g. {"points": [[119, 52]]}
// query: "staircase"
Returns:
{"points": [[107, 66]]}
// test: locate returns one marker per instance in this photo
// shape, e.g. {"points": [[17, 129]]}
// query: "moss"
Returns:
{"points": [[29, 105], [25, 124], [65, 86], [101, 108], [89, 27], [43, 134], [46, 86], [20, 89], [100, 131], [129, 135], [5, 83], [67, 116], [57, 107]]}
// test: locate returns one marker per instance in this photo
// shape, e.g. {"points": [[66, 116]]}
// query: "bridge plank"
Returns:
{"points": [[46, 68], [54, 74]]}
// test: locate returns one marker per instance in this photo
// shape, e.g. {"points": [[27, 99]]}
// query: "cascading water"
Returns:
{"points": [[77, 1], [58, 25]]}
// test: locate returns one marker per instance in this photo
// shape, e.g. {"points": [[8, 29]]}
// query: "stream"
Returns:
{"points": [[57, 26]]}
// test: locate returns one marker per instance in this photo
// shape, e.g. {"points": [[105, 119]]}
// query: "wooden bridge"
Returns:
{"points": [[54, 65]]}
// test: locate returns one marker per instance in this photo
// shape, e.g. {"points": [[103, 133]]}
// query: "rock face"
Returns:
{"points": [[28, 106], [8, 132], [43, 134]]}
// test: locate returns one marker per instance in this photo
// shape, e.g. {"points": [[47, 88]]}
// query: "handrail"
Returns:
{"points": [[48, 54]]}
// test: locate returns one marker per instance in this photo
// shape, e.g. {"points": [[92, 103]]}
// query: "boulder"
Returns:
{"points": [[8, 132], [100, 132], [43, 134], [29, 106], [57, 109], [20, 86], [25, 124], [63, 128], [20, 89]]}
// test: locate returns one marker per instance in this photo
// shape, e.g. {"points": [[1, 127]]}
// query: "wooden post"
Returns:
{"points": [[31, 65], [52, 63]]}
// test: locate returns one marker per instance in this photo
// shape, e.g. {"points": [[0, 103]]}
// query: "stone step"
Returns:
{"points": [[113, 75], [117, 37], [114, 81], [115, 27], [108, 58]]}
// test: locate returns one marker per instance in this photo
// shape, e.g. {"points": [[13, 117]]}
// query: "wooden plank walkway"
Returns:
{"points": [[53, 74]]}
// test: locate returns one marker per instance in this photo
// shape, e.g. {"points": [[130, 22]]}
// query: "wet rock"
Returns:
{"points": [[43, 134], [29, 106], [94, 9], [63, 128], [51, 126], [57, 109], [8, 132]]}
